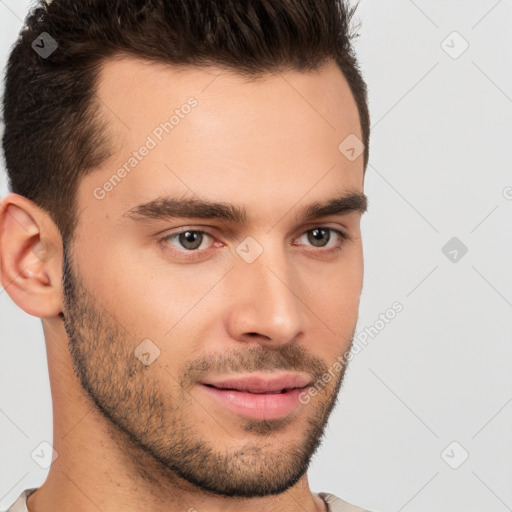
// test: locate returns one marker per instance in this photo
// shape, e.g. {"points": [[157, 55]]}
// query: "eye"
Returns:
{"points": [[192, 243], [321, 236], [190, 239]]}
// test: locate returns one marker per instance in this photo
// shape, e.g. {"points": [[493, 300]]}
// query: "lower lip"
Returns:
{"points": [[257, 406]]}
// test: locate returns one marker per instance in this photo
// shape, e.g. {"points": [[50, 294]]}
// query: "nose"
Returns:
{"points": [[265, 304]]}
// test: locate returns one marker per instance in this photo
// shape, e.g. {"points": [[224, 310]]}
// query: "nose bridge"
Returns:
{"points": [[265, 301]]}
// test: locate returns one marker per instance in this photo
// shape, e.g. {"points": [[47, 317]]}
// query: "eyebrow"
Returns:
{"points": [[188, 207]]}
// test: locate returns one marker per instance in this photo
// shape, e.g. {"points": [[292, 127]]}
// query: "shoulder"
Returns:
{"points": [[20, 505], [336, 504]]}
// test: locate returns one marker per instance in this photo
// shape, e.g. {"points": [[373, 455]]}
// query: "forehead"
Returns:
{"points": [[217, 134]]}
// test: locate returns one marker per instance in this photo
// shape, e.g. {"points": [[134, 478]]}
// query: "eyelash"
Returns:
{"points": [[199, 253]]}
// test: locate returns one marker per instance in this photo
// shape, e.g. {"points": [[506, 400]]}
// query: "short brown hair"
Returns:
{"points": [[54, 133]]}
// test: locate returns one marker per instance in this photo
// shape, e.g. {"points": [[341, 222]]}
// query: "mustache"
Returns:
{"points": [[282, 358]]}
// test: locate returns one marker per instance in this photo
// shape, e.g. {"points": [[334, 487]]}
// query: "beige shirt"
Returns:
{"points": [[334, 504]]}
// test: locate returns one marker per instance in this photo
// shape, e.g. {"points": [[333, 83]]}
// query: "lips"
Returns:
{"points": [[258, 384], [259, 397], [251, 391]]}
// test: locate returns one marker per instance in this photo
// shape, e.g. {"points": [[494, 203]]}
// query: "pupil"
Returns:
{"points": [[316, 238], [189, 239]]}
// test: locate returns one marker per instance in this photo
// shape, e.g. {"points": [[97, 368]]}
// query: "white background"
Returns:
{"points": [[440, 371]]}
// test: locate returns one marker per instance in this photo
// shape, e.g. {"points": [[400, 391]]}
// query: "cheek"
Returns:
{"points": [[337, 283], [339, 305], [138, 287], [174, 307], [336, 294]]}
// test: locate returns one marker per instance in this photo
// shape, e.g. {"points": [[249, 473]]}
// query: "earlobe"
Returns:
{"points": [[30, 257]]}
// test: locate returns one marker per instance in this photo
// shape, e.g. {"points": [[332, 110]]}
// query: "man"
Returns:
{"points": [[187, 189]]}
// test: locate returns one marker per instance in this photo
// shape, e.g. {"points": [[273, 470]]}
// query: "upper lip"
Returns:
{"points": [[261, 384]]}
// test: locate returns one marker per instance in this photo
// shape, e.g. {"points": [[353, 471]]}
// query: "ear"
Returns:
{"points": [[30, 257]]}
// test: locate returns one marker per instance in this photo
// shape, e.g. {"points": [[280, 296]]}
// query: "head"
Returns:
{"points": [[184, 160]]}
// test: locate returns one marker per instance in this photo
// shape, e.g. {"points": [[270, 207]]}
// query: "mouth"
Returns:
{"points": [[258, 397], [276, 392], [261, 383]]}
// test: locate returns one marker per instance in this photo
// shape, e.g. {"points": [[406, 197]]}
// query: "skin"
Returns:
{"points": [[135, 437]]}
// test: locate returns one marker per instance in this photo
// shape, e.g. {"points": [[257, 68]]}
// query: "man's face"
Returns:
{"points": [[154, 316]]}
